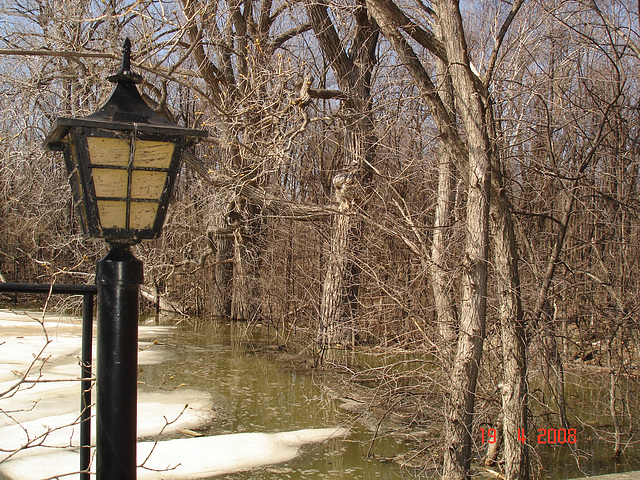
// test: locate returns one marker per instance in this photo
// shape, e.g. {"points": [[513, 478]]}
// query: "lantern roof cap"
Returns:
{"points": [[124, 110]]}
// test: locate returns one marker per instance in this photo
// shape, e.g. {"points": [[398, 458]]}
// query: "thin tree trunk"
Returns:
{"points": [[441, 281], [222, 270], [613, 411], [244, 297], [513, 329], [543, 315], [462, 391], [514, 383], [245, 304], [558, 367]]}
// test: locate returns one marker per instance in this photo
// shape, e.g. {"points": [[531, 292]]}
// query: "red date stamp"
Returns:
{"points": [[546, 436], [554, 436]]}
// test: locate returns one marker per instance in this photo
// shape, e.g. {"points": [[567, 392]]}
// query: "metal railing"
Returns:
{"points": [[88, 293]]}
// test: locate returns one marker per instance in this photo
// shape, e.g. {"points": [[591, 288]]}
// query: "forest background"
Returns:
{"points": [[457, 180]]}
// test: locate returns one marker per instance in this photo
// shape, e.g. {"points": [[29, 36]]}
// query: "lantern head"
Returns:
{"points": [[122, 162]]}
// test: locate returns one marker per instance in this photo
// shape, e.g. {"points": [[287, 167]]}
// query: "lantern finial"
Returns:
{"points": [[125, 74], [126, 56]]}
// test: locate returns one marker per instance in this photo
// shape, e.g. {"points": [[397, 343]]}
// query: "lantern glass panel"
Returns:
{"points": [[113, 214], [147, 185], [110, 183], [142, 214], [149, 154], [109, 151]]}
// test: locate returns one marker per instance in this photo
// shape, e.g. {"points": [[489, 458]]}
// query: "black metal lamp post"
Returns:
{"points": [[122, 162]]}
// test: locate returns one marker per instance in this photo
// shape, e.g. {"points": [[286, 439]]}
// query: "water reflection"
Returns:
{"points": [[254, 394]]}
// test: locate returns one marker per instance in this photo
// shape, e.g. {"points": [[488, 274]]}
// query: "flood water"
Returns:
{"points": [[252, 393]]}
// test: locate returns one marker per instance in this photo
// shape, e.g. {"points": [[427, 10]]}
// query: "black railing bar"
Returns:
{"points": [[87, 292], [46, 288], [85, 400]]}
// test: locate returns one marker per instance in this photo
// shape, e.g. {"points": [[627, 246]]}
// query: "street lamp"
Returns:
{"points": [[122, 162]]}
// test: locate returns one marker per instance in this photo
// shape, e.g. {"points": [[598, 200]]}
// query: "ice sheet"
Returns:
{"points": [[44, 415]]}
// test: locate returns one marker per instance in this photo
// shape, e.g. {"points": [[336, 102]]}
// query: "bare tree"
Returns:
{"points": [[353, 70], [475, 111]]}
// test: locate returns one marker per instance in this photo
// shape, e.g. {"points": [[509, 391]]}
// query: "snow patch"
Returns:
{"points": [[43, 416], [187, 458]]}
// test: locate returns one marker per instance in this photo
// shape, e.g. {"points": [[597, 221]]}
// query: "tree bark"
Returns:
{"points": [[244, 299], [337, 304], [353, 72], [513, 387], [441, 279], [222, 242], [339, 299], [462, 391]]}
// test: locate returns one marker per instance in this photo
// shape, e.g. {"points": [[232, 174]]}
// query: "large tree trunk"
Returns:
{"points": [[441, 278], [339, 290], [338, 304], [462, 391], [353, 73]]}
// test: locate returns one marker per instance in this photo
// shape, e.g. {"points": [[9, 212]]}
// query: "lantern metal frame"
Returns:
{"points": [[125, 116]]}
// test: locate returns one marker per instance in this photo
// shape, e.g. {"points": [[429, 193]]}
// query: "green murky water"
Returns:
{"points": [[252, 393]]}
